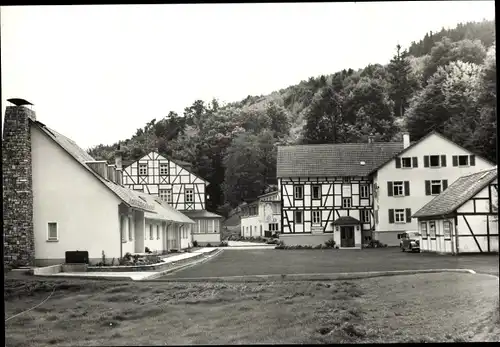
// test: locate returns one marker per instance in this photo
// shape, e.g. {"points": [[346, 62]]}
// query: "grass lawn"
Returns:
{"points": [[431, 307]]}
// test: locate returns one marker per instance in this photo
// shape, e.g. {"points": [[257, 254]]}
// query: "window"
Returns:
{"points": [[143, 169], [463, 160], [189, 195], [316, 217], [163, 169], [423, 228], [151, 231], [364, 191], [346, 179], [316, 192], [346, 203], [434, 161], [397, 188], [52, 231], [432, 230], [298, 192], [298, 217], [435, 187], [399, 216], [406, 162], [157, 232], [365, 216], [273, 227], [166, 195], [447, 230]]}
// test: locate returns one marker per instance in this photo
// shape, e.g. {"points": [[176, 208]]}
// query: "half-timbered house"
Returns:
{"points": [[58, 198], [364, 191], [184, 191], [262, 217], [464, 218]]}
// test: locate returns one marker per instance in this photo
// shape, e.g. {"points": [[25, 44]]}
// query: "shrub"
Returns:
{"points": [[376, 244], [330, 243], [147, 250], [103, 258], [195, 243], [208, 245], [318, 246], [223, 244]]}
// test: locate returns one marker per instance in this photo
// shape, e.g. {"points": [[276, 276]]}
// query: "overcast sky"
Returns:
{"points": [[97, 73]]}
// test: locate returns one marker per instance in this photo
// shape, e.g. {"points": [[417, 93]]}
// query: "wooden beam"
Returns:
{"points": [[472, 233]]}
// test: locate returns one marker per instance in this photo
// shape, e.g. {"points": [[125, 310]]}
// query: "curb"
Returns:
{"points": [[156, 275], [312, 277]]}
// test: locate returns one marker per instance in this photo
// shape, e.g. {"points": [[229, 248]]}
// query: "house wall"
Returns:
{"points": [[139, 238], [250, 226], [330, 205], [440, 243], [156, 243], [202, 235], [433, 145], [305, 239], [86, 212], [186, 238], [177, 181], [128, 243]]}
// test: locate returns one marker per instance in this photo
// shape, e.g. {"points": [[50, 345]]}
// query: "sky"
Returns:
{"points": [[98, 73]]}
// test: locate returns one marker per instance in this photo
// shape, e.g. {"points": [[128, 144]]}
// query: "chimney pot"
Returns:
{"points": [[406, 140]]}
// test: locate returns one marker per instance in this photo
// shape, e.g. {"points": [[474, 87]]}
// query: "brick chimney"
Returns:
{"points": [[119, 167], [19, 237], [406, 140]]}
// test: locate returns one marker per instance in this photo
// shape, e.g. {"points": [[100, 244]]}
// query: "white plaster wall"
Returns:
{"points": [[187, 241], [305, 239], [85, 210], [155, 245], [417, 177], [251, 222], [213, 238]]}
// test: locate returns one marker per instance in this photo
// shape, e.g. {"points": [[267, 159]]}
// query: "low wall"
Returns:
{"points": [[203, 239], [48, 270], [305, 240]]}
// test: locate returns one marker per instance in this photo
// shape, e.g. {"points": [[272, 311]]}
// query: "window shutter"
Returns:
{"points": [[408, 215], [427, 187], [445, 184], [415, 162], [472, 160], [443, 160], [455, 160], [407, 188], [391, 216], [389, 188], [426, 161], [398, 163]]}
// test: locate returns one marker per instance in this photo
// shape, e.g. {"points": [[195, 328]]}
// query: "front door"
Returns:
{"points": [[347, 236]]}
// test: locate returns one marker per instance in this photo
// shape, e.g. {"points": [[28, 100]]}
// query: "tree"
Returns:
{"points": [[279, 121], [401, 81]]}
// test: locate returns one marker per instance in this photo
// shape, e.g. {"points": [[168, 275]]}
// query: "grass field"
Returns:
{"points": [[413, 308]]}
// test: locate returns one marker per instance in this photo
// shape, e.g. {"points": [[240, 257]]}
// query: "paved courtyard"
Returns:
{"points": [[276, 262]]}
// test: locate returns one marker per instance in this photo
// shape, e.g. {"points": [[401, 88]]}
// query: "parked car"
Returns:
{"points": [[410, 241]]}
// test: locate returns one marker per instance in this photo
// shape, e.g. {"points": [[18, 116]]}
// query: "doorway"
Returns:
{"points": [[347, 236]]}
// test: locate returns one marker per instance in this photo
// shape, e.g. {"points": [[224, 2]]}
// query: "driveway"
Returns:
{"points": [[276, 262]]}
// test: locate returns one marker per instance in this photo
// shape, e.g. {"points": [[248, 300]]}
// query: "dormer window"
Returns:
{"points": [[143, 169], [163, 169]]}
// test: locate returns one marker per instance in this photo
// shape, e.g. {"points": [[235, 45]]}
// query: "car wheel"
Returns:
{"points": [[402, 249]]}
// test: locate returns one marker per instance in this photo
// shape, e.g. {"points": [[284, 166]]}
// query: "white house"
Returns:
{"points": [[413, 177], [184, 191], [464, 218], [58, 198], [354, 192], [262, 217]]}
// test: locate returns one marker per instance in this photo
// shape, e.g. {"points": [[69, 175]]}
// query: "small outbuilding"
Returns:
{"points": [[464, 218]]}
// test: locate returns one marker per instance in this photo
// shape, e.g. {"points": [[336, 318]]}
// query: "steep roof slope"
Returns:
{"points": [[330, 160], [457, 194]]}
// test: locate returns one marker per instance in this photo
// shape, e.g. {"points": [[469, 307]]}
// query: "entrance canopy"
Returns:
{"points": [[346, 220]]}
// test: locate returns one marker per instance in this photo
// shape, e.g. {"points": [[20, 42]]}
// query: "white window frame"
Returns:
{"points": [[49, 238], [432, 223], [157, 232], [318, 196], [365, 216], [189, 192], [447, 230], [399, 216], [297, 213], [345, 204], [165, 195], [435, 183], [423, 229], [296, 190], [466, 159], [316, 217], [151, 237], [364, 191], [143, 169], [398, 184], [403, 161], [430, 161], [130, 221], [162, 167]]}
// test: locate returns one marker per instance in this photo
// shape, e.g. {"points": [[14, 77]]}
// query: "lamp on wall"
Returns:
{"points": [[336, 228], [357, 227]]}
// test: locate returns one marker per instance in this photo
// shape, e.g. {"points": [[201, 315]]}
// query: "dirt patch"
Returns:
{"points": [[435, 307]]}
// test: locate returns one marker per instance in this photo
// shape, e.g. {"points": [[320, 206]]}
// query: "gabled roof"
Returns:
{"points": [[457, 194], [164, 211], [334, 160], [200, 214], [346, 220], [128, 196], [179, 163], [268, 194], [413, 144]]}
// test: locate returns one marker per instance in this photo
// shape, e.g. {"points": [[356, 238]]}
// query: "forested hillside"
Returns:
{"points": [[446, 82]]}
